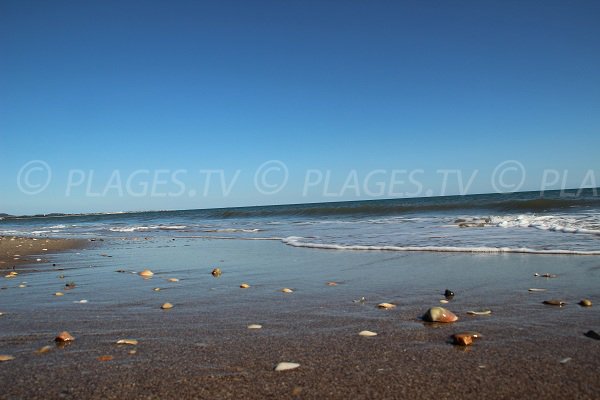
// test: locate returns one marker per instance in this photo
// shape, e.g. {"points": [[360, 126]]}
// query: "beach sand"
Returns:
{"points": [[18, 250], [202, 348]]}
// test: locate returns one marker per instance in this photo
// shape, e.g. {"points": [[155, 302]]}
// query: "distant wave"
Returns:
{"points": [[147, 228], [296, 241], [233, 230]]}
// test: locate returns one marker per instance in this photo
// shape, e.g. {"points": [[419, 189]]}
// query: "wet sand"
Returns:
{"points": [[201, 348], [19, 250]]}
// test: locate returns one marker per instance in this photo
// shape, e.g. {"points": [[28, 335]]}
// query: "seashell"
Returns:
{"points": [[585, 303], [244, 286], [59, 294], [173, 280], [166, 306], [146, 273], [554, 302], [254, 326], [64, 336], [81, 301], [386, 306], [22, 285], [480, 312], [287, 290], [6, 357], [216, 272], [132, 351], [367, 333], [284, 366], [444, 301], [43, 350], [565, 360], [332, 284], [132, 342], [537, 290], [439, 314], [156, 289], [105, 358]]}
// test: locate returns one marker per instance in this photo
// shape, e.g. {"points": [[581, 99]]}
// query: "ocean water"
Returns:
{"points": [[554, 222]]}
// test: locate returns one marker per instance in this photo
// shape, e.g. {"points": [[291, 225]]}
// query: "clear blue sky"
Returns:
{"points": [[328, 85]]}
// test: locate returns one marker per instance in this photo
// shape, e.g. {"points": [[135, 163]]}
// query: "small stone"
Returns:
{"points": [[132, 351], [59, 294], [284, 366], [254, 326], [592, 335], [448, 293], [22, 286], [146, 273], [554, 302], [367, 333], [332, 284], [549, 276], [132, 342], [585, 303], [565, 360], [44, 349], [462, 339], [444, 301], [439, 314], [166, 306], [6, 357], [64, 336], [287, 290], [81, 301], [105, 358], [386, 306], [156, 289], [536, 290], [216, 272], [173, 280], [244, 286]]}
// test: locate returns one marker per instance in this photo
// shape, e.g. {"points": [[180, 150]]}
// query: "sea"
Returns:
{"points": [[552, 222]]}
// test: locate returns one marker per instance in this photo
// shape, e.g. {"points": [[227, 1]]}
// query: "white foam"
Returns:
{"points": [[233, 230], [296, 242], [554, 223]]}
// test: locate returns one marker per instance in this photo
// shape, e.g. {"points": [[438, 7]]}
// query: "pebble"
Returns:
{"points": [[146, 273], [536, 290], [332, 284], [585, 303], [287, 290], [173, 280], [244, 286], [156, 289], [254, 326], [444, 301], [105, 358], [284, 366], [81, 301], [59, 294], [367, 333], [448, 293], [64, 336], [439, 314], [565, 360], [592, 335], [22, 285], [386, 306], [166, 306], [216, 272], [6, 357], [465, 338], [132, 342], [554, 302]]}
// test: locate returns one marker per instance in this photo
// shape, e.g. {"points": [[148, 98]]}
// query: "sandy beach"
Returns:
{"points": [[202, 347]]}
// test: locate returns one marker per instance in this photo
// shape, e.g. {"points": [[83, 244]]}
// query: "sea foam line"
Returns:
{"points": [[295, 241]]}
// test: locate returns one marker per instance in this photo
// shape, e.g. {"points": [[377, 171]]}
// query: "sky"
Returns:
{"points": [[149, 105]]}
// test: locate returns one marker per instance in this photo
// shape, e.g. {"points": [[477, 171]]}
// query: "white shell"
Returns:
{"points": [[367, 333], [254, 326], [284, 366]]}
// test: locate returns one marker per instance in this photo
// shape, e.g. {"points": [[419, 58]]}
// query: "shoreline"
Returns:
{"points": [[202, 347]]}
